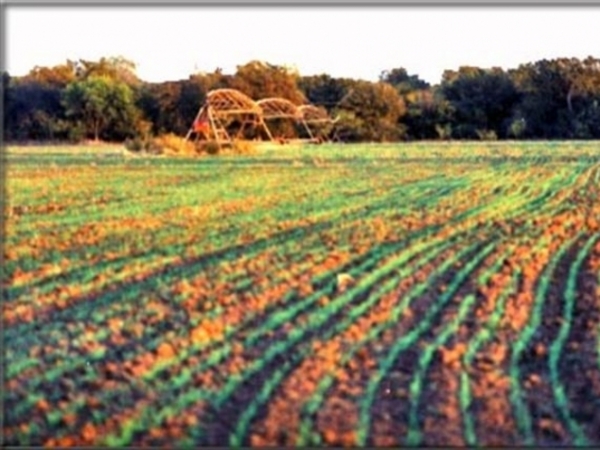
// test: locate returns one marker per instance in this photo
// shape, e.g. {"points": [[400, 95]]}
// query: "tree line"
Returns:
{"points": [[106, 100]]}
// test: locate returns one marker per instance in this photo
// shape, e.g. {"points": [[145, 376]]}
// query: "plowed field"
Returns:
{"points": [[416, 294]]}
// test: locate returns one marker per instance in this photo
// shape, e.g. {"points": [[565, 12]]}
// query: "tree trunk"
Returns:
{"points": [[96, 130], [570, 98]]}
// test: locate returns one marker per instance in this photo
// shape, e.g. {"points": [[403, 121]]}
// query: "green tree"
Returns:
{"points": [[402, 81], [34, 111], [324, 90], [558, 97], [171, 106], [482, 101], [428, 114], [426, 110], [7, 101], [146, 100], [103, 106], [367, 111]]}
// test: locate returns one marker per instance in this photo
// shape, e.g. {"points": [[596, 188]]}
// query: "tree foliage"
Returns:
{"points": [[324, 90], [559, 98], [402, 81], [33, 111], [105, 99], [370, 112], [481, 100], [115, 67], [428, 115], [57, 76], [260, 80], [102, 106]]}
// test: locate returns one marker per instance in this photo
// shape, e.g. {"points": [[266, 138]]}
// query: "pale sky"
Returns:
{"points": [[170, 43]]}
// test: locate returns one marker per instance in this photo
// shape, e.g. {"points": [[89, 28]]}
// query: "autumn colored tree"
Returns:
{"points": [[115, 67], [260, 80], [209, 81], [371, 112], [57, 76], [105, 99]]}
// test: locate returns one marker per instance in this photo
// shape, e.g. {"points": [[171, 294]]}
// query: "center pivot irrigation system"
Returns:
{"points": [[227, 113]]}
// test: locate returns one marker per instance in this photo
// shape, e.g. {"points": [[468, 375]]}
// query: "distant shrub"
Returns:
{"points": [[134, 145], [165, 144], [444, 132], [517, 128], [208, 147], [237, 147], [151, 146], [243, 147], [138, 144], [487, 135], [77, 134], [173, 144]]}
